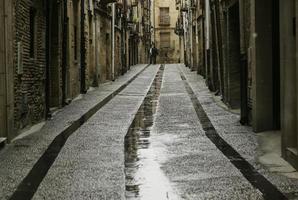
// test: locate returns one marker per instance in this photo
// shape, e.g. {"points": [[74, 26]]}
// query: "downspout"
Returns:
{"points": [[64, 51], [47, 71], [113, 41], [83, 49]]}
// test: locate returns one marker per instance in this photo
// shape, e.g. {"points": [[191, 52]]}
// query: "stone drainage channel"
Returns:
{"points": [[144, 178]]}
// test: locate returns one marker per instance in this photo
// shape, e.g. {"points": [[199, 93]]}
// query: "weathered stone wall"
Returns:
{"points": [[118, 64], [74, 56], [91, 76], [104, 24]]}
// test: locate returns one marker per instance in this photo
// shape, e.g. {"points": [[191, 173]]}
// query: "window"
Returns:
{"points": [[32, 32], [165, 40], [164, 16]]}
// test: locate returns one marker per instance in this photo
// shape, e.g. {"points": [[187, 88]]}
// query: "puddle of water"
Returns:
{"points": [[27, 188], [145, 179]]}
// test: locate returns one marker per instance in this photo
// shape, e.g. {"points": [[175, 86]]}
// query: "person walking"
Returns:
{"points": [[150, 55], [153, 54]]}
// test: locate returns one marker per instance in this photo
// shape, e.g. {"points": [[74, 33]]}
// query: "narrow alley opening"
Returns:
{"points": [[148, 100]]}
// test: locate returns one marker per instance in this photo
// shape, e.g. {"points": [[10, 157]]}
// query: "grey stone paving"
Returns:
{"points": [[17, 158], [241, 138], [91, 164], [196, 168]]}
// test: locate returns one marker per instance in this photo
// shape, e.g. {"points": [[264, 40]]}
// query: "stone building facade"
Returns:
{"points": [[164, 37], [249, 59], [29, 62], [51, 51]]}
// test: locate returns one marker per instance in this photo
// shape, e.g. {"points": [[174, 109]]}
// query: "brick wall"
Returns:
{"points": [[29, 87]]}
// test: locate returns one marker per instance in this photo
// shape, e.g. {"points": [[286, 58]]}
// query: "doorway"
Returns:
{"points": [[266, 67], [54, 53], [234, 62]]}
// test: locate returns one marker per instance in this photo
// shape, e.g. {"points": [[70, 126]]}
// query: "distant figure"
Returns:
{"points": [[153, 53]]}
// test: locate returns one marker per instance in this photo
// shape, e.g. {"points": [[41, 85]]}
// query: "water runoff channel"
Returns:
{"points": [[145, 179]]}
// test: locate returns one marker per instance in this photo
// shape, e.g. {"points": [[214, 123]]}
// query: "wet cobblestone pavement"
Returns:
{"points": [[241, 138], [148, 142]]}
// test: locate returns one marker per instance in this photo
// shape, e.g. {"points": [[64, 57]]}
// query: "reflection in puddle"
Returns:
{"points": [[144, 178]]}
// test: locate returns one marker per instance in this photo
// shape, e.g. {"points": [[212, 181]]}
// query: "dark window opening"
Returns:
{"points": [[32, 32]]}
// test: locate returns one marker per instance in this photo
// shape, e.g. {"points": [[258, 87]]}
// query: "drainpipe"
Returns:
{"points": [[83, 49], [113, 41]]}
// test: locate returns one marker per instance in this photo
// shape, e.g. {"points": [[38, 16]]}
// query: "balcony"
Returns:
{"points": [[165, 20]]}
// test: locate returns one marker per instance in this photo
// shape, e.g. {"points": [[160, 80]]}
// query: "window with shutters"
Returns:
{"points": [[164, 16], [165, 40]]}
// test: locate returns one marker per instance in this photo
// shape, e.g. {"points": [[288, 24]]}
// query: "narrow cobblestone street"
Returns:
{"points": [[156, 133], [148, 100]]}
